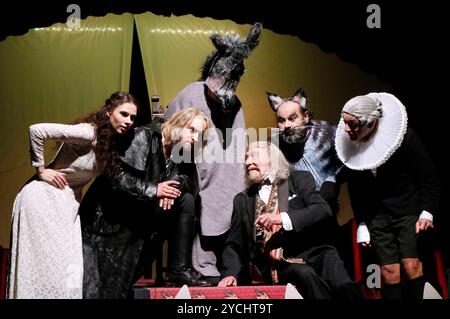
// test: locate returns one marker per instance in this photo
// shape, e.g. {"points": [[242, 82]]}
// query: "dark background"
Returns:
{"points": [[407, 52]]}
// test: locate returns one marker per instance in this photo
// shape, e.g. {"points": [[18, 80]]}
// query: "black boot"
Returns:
{"points": [[180, 250]]}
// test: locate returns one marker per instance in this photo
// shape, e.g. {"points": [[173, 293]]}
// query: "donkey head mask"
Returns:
{"points": [[224, 67]]}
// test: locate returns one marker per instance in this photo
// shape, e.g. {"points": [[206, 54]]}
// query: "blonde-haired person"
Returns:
{"points": [[176, 131], [173, 126], [276, 231], [126, 218], [46, 251]]}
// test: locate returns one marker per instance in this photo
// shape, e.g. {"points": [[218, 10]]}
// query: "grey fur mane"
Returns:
{"points": [[224, 67]]}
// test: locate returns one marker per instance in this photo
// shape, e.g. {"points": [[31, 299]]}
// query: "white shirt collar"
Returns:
{"points": [[264, 191], [271, 178]]}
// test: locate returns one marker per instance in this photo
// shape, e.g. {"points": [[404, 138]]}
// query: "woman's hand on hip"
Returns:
{"points": [[53, 178]]}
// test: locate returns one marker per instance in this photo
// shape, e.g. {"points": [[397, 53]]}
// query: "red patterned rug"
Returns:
{"points": [[240, 292]]}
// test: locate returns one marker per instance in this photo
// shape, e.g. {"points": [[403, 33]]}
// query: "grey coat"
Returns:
{"points": [[219, 181]]}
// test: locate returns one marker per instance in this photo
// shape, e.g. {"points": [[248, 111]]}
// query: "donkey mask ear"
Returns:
{"points": [[219, 42], [300, 97], [274, 100], [253, 36]]}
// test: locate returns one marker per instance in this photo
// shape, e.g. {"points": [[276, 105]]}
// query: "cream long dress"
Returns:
{"points": [[46, 247]]}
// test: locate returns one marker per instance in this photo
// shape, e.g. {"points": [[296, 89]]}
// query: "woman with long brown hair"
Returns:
{"points": [[46, 247]]}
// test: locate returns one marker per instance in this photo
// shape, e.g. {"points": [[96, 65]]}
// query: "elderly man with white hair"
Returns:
{"points": [[394, 187], [277, 231]]}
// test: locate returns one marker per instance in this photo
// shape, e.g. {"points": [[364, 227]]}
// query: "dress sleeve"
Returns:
{"points": [[74, 134]]}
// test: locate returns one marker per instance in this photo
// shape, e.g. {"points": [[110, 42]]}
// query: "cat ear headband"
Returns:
{"points": [[298, 97]]}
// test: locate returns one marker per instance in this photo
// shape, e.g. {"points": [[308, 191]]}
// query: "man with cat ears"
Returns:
{"points": [[309, 146]]}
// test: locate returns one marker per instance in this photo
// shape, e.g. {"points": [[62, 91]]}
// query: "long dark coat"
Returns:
{"points": [[120, 216]]}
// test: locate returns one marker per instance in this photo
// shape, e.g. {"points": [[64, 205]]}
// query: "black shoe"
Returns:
{"points": [[211, 280], [184, 277]]}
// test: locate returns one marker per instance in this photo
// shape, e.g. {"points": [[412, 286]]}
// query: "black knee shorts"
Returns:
{"points": [[393, 237]]}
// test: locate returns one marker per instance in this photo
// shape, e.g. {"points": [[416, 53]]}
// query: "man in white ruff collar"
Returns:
{"points": [[394, 187]]}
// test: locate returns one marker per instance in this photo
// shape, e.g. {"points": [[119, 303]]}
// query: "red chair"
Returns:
{"points": [[4, 254], [440, 273], [359, 270]]}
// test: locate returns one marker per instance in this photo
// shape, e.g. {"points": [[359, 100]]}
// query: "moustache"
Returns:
{"points": [[293, 135]]}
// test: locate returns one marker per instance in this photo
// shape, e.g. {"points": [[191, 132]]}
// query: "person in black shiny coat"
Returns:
{"points": [[126, 217]]}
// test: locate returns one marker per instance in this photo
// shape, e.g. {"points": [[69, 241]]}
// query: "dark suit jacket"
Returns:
{"points": [[307, 211], [405, 185]]}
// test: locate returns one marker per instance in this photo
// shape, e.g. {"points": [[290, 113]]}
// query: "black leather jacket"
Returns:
{"points": [[119, 214], [130, 197], [145, 167]]}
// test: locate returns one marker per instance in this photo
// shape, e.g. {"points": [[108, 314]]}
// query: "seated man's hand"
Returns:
{"points": [[268, 220], [228, 281]]}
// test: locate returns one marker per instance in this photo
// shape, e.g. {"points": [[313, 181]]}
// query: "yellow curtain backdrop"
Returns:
{"points": [[55, 75]]}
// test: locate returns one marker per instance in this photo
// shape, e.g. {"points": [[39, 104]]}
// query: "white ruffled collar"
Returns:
{"points": [[378, 149]]}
